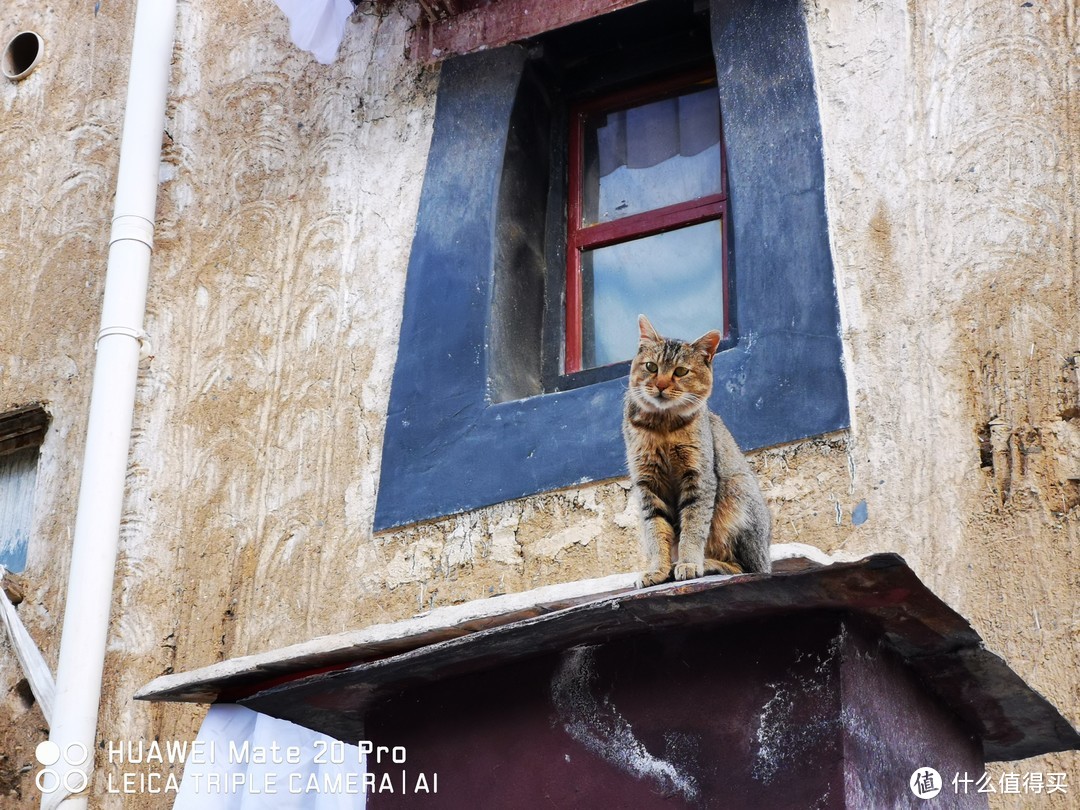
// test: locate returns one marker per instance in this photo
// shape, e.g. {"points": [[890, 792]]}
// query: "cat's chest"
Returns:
{"points": [[666, 456]]}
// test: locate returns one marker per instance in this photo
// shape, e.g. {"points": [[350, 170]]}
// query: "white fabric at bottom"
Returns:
{"points": [[231, 766]]}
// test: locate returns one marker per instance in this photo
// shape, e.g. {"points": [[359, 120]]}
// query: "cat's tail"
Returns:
{"points": [[754, 557], [751, 547], [719, 567]]}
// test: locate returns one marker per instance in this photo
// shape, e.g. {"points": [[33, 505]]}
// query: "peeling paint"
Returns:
{"points": [[596, 723], [784, 740]]}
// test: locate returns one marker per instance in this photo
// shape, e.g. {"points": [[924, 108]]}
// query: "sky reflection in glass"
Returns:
{"points": [[675, 278]]}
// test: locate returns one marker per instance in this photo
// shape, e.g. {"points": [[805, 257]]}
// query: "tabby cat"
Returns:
{"points": [[701, 507]]}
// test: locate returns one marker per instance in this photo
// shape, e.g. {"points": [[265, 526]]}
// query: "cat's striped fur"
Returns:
{"points": [[702, 511]]}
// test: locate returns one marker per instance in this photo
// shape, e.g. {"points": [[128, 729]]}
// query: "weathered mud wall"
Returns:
{"points": [[59, 130], [287, 202], [951, 140]]}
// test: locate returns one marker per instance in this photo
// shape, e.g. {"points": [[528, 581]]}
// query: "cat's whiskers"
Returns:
{"points": [[693, 399]]}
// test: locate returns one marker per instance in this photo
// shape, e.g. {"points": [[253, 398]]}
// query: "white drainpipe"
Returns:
{"points": [[112, 403]]}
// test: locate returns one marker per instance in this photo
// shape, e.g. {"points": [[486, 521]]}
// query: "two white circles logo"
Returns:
{"points": [[73, 779]]}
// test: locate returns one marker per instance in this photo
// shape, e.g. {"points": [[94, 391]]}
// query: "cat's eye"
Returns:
{"points": [[651, 367], [681, 371]]}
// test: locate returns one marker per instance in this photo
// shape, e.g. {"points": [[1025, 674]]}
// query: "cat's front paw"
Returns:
{"points": [[650, 578], [688, 571]]}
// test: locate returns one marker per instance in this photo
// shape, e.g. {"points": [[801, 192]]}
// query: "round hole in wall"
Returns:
{"points": [[22, 54]]}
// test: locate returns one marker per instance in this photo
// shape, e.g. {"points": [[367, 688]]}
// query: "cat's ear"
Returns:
{"points": [[708, 343], [646, 330]]}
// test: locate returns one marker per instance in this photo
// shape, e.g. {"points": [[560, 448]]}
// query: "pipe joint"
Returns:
{"points": [[137, 334], [133, 227]]}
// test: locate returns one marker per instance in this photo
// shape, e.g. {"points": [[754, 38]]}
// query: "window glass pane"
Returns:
{"points": [[18, 474], [676, 278], [652, 155]]}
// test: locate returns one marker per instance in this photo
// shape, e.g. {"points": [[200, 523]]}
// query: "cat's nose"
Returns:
{"points": [[663, 385]]}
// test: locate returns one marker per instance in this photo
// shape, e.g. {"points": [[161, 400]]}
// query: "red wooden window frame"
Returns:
{"points": [[581, 237]]}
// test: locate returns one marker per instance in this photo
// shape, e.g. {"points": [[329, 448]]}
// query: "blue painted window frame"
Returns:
{"points": [[449, 449], [22, 432]]}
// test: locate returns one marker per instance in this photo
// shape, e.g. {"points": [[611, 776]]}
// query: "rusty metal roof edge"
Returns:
{"points": [[1014, 720]]}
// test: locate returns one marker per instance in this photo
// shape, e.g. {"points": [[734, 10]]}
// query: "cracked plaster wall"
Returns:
{"points": [[287, 203]]}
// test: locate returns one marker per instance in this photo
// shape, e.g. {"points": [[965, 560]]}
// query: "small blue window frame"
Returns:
{"points": [[448, 448]]}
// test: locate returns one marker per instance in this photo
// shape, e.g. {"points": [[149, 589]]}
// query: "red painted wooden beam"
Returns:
{"points": [[501, 23]]}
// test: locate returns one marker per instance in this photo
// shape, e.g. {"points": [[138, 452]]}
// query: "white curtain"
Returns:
{"points": [[646, 135], [224, 771]]}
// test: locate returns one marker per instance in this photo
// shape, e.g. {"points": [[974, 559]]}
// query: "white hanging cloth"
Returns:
{"points": [[317, 26]]}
